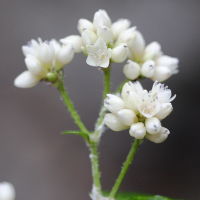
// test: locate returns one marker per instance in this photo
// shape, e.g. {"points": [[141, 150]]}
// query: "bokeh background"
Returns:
{"points": [[43, 164]]}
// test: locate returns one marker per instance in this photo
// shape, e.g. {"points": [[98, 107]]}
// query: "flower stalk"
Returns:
{"points": [[125, 167], [70, 106]]}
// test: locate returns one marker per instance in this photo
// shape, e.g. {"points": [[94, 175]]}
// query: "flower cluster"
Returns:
{"points": [[140, 111], [43, 60], [149, 62], [100, 40]]}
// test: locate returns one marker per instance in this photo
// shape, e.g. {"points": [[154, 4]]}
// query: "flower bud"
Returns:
{"points": [[75, 40], [88, 37], [51, 76], [153, 125], [105, 33], [119, 53], [7, 191], [152, 50], [132, 100], [112, 121], [119, 26], [137, 130], [113, 103], [64, 56], [131, 70], [101, 18], [161, 74], [46, 53], [127, 117], [148, 68], [85, 24], [26, 80], [159, 137], [32, 48], [35, 66], [165, 111], [137, 46], [127, 36]]}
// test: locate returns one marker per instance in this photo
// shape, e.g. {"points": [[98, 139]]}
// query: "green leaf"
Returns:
{"points": [[84, 135], [137, 196]]}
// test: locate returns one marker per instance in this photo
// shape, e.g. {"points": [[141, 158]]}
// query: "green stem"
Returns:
{"points": [[125, 167], [69, 104], [95, 166], [106, 81], [106, 91]]}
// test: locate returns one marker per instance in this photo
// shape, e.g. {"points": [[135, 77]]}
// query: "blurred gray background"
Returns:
{"points": [[44, 165]]}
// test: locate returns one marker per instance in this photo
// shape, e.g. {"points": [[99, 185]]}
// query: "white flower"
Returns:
{"points": [[119, 53], [88, 37], [159, 137], [165, 66], [140, 111], [41, 59], [101, 18], [105, 33], [98, 54], [131, 70], [148, 68], [119, 26], [7, 191], [75, 40], [85, 24]]}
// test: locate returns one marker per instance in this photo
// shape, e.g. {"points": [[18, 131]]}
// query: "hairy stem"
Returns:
{"points": [[124, 169], [70, 106], [95, 166]]}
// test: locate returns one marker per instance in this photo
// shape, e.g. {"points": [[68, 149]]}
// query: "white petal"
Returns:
{"points": [[120, 53], [105, 64], [91, 61], [131, 70], [119, 26], [88, 37], [75, 40], [85, 24], [153, 125], [132, 100], [26, 80], [127, 117], [159, 137], [165, 111], [112, 121], [47, 52], [161, 74], [113, 103], [105, 33], [64, 55], [100, 44], [137, 130], [35, 67], [148, 68]]}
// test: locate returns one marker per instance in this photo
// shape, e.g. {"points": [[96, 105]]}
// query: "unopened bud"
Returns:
{"points": [[148, 68], [75, 40], [46, 53], [159, 137], [119, 53], [113, 103], [101, 18], [161, 74], [64, 56], [137, 130], [132, 100], [105, 33], [153, 125], [131, 70], [127, 117], [51, 76], [85, 24], [165, 111], [88, 37], [113, 122], [119, 26]]}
